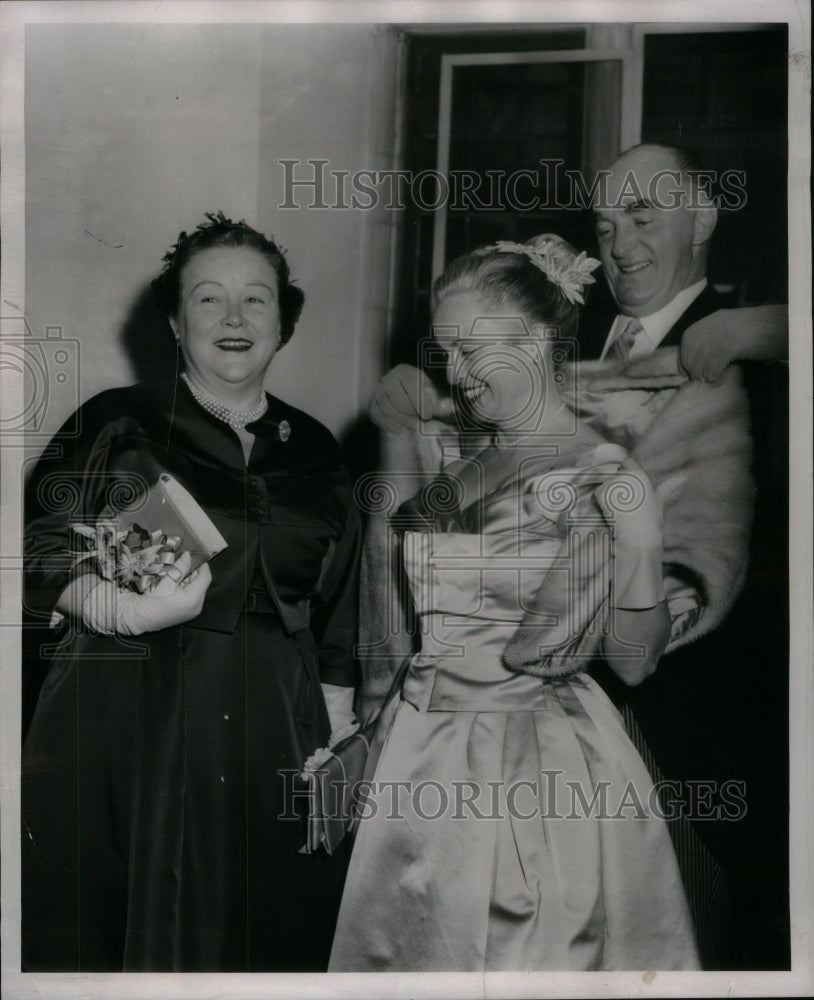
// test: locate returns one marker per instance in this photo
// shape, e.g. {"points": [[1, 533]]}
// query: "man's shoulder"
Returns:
{"points": [[704, 304]]}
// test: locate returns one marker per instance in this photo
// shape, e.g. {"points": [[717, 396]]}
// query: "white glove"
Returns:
{"points": [[638, 546], [339, 702], [405, 398], [108, 610]]}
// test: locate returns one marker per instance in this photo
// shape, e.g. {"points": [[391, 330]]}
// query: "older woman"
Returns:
{"points": [[160, 828]]}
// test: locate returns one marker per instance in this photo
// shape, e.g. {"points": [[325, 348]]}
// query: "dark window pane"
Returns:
{"points": [[505, 125], [723, 95]]}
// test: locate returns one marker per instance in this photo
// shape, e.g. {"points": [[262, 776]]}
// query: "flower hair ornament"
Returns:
{"points": [[570, 272]]}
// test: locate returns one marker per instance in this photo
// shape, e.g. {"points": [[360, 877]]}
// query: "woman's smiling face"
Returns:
{"points": [[492, 360], [228, 322]]}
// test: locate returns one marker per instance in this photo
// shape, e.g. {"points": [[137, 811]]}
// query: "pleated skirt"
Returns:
{"points": [[523, 840]]}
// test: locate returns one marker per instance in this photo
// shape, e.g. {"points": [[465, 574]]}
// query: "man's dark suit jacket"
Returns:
{"points": [[601, 312], [717, 710]]}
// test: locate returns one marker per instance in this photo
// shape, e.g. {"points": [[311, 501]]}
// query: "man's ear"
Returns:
{"points": [[704, 221]]}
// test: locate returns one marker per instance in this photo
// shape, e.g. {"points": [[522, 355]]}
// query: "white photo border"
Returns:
{"points": [[800, 981]]}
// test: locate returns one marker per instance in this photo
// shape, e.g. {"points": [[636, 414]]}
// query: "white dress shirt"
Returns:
{"points": [[656, 326]]}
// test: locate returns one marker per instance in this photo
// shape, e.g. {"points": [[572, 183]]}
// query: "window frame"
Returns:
{"points": [[449, 61]]}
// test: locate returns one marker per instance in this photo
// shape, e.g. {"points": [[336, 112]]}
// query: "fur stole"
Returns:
{"points": [[692, 439]]}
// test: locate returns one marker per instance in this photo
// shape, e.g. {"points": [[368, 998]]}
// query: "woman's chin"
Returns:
{"points": [[238, 373]]}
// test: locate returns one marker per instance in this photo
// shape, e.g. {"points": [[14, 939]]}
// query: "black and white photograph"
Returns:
{"points": [[406, 450]]}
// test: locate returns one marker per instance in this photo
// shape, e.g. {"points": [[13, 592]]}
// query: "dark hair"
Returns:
{"points": [[219, 231], [503, 278]]}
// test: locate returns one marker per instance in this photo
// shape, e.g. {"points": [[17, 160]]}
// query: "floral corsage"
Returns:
{"points": [[133, 557]]}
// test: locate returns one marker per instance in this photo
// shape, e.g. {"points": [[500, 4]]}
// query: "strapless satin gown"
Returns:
{"points": [[511, 824]]}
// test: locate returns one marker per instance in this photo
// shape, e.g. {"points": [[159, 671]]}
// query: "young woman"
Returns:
{"points": [[511, 824]]}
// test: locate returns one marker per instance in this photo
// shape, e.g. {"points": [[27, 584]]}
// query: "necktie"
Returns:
{"points": [[622, 345]]}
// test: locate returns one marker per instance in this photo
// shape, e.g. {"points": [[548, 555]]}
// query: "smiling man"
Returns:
{"points": [[702, 710], [654, 221]]}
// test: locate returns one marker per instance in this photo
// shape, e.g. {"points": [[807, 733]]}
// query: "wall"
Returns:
{"points": [[329, 93], [134, 131]]}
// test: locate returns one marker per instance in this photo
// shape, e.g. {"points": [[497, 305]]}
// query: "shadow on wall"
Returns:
{"points": [[148, 341]]}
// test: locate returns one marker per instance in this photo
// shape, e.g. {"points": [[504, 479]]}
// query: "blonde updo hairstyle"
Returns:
{"points": [[511, 282]]}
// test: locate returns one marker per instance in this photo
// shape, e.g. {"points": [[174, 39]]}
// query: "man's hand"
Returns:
{"points": [[757, 333], [406, 397]]}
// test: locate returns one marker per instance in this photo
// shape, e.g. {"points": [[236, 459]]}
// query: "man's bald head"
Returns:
{"points": [[654, 220]]}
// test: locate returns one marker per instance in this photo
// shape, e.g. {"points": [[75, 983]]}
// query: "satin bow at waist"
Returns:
{"points": [[455, 684]]}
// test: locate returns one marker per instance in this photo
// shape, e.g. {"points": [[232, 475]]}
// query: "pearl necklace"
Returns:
{"points": [[511, 444], [236, 419], [535, 433]]}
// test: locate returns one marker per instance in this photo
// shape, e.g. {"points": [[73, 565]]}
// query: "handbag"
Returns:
{"points": [[338, 778]]}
